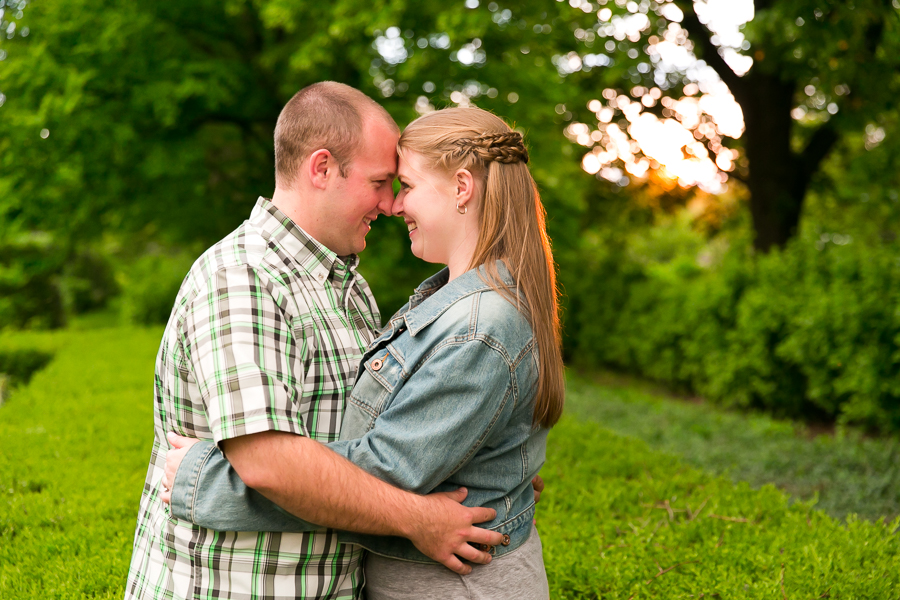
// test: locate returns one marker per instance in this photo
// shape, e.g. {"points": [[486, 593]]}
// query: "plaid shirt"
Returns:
{"points": [[266, 335]]}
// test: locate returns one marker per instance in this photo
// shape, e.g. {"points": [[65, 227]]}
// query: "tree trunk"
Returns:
{"points": [[777, 180]]}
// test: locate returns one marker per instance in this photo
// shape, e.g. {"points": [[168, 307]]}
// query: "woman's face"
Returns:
{"points": [[427, 203]]}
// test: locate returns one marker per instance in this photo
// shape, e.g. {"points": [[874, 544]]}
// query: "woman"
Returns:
{"points": [[463, 383]]}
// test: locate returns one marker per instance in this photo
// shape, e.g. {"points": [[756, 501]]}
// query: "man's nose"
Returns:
{"points": [[386, 203]]}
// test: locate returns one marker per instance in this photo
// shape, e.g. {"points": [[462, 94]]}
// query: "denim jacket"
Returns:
{"points": [[444, 399]]}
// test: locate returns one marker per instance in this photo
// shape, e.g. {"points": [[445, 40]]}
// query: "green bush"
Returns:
{"points": [[88, 282], [149, 285], [617, 520], [20, 365], [29, 284], [810, 331]]}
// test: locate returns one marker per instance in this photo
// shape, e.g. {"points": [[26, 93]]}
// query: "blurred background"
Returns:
{"points": [[721, 177]]}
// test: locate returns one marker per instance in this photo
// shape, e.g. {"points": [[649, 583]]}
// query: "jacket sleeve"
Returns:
{"points": [[439, 419], [208, 492]]}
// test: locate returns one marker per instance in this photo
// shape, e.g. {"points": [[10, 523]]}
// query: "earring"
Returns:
{"points": [[464, 210]]}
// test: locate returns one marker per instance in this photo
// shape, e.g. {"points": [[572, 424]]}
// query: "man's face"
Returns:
{"points": [[366, 192]]}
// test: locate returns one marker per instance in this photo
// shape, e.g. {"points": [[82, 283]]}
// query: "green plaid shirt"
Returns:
{"points": [[266, 335]]}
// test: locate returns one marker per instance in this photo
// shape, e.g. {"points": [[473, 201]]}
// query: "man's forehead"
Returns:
{"points": [[385, 175]]}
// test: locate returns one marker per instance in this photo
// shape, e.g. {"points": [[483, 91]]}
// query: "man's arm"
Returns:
{"points": [[312, 482], [243, 355]]}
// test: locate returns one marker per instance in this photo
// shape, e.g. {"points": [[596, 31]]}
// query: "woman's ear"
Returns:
{"points": [[465, 187]]}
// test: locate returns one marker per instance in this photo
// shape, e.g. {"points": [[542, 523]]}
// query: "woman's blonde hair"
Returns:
{"points": [[512, 220]]}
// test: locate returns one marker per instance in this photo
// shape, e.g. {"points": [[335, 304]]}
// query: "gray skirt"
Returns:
{"points": [[518, 574]]}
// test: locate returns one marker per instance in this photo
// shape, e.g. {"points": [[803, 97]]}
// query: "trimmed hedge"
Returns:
{"points": [[812, 331], [614, 520]]}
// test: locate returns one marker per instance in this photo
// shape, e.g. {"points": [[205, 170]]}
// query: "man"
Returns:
{"points": [[259, 353]]}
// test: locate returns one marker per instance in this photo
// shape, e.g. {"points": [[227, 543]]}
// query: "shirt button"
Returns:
{"points": [[320, 276]]}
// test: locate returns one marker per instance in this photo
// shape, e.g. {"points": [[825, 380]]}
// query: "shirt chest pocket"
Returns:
{"points": [[378, 380]]}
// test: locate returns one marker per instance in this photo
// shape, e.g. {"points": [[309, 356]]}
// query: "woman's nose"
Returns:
{"points": [[398, 204]]}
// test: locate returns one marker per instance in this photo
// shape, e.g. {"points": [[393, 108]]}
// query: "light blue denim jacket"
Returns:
{"points": [[444, 399]]}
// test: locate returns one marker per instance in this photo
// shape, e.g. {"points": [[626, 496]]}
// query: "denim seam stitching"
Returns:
{"points": [[415, 331], [454, 341], [512, 519], [473, 316], [496, 345], [524, 352], [364, 407]]}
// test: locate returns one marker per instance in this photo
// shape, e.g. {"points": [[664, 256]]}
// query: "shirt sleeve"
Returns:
{"points": [[243, 355], [439, 419]]}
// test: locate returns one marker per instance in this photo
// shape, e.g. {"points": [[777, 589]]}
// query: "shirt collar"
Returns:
{"points": [[435, 295], [313, 256]]}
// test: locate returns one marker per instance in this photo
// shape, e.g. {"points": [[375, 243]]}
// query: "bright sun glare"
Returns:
{"points": [[679, 144]]}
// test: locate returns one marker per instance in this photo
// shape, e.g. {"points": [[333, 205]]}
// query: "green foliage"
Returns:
{"points": [[88, 282], [149, 286], [811, 331], [843, 471], [29, 288], [19, 365], [74, 447]]}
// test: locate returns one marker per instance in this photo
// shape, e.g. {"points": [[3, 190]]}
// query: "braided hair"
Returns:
{"points": [[506, 147]]}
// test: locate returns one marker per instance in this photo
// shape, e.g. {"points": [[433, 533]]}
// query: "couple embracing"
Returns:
{"points": [[302, 449]]}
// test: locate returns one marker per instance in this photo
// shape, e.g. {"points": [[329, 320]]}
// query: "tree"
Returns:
{"points": [[153, 121], [820, 71]]}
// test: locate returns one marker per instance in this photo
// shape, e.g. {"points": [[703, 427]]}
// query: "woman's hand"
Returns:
{"points": [[179, 447]]}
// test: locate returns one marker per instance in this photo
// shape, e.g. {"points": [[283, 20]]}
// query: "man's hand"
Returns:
{"points": [[310, 481], [538, 484], [444, 527], [179, 447]]}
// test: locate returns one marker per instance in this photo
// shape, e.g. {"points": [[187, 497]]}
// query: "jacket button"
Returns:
{"points": [[505, 541], [376, 364]]}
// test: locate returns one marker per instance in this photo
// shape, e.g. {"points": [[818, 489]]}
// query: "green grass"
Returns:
{"points": [[620, 520], [74, 446], [616, 516], [847, 472]]}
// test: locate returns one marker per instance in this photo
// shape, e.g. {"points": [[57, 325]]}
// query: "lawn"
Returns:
{"points": [[845, 470], [620, 519]]}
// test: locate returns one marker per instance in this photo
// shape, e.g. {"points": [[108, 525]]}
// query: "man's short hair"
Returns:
{"points": [[327, 115]]}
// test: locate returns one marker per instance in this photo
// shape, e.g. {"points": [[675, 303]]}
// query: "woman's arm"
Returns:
{"points": [[439, 419], [207, 491], [429, 432]]}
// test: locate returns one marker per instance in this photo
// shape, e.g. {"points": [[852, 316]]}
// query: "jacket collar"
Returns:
{"points": [[435, 295]]}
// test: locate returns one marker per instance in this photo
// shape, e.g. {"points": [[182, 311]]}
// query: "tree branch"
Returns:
{"points": [[821, 143], [699, 35]]}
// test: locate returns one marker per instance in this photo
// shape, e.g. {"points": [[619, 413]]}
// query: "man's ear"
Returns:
{"points": [[465, 187], [320, 167]]}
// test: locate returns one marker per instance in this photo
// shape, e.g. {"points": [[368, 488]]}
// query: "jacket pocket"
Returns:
{"points": [[376, 383]]}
